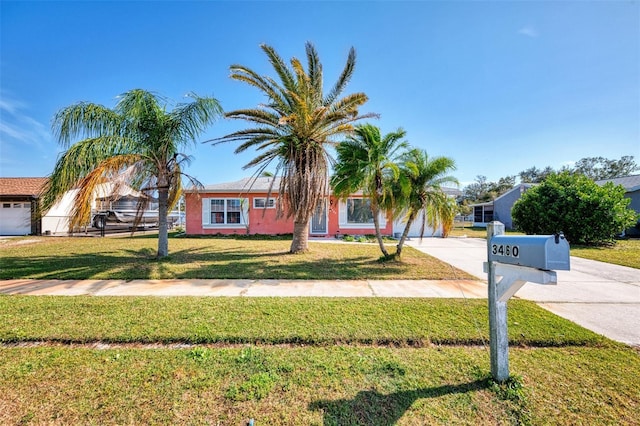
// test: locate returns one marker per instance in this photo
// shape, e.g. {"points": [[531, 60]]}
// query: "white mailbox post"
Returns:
{"points": [[517, 259]]}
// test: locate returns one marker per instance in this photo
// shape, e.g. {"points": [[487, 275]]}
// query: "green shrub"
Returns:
{"points": [[574, 204]]}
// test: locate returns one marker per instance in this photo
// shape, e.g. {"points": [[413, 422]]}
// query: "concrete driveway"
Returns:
{"points": [[599, 296]]}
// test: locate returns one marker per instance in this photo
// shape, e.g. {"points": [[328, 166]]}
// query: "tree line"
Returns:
{"points": [[594, 168]]}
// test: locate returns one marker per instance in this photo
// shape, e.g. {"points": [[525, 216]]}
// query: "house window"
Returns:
{"points": [[356, 213], [223, 211], [6, 205], [264, 203], [477, 214], [483, 214], [359, 211]]}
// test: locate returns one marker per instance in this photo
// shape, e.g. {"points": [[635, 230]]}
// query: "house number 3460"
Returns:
{"points": [[505, 250]]}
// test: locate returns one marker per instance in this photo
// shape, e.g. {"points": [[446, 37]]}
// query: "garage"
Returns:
{"points": [[15, 218], [18, 200]]}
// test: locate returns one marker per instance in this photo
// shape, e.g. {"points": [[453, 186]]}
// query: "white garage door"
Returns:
{"points": [[15, 218]]}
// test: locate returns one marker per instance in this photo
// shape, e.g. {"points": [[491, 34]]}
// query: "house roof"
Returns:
{"points": [[263, 184], [630, 183], [454, 192], [22, 186], [245, 185]]}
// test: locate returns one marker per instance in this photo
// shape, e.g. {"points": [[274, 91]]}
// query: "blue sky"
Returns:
{"points": [[497, 86]]}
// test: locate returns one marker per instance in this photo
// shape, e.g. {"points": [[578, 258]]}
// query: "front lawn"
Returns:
{"points": [[623, 252], [134, 258], [302, 361]]}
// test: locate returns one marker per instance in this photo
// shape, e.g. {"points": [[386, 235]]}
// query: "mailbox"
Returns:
{"points": [[548, 252]]}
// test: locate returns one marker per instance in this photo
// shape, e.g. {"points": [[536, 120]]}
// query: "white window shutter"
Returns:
{"points": [[383, 218], [206, 211], [342, 212], [244, 205]]}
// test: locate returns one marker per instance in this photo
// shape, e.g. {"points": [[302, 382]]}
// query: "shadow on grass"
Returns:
{"points": [[194, 263], [373, 408]]}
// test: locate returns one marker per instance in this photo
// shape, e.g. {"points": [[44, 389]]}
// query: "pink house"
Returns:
{"points": [[246, 207]]}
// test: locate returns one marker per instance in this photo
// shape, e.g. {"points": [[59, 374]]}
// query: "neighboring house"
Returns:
{"points": [[631, 186], [500, 208], [247, 207], [19, 205], [414, 230]]}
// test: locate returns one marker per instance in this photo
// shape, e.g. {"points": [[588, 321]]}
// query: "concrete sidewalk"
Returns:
{"points": [[249, 288], [602, 297]]}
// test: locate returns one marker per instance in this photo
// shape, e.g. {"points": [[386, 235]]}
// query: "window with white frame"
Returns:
{"points": [[356, 213], [224, 211], [359, 211], [264, 203]]}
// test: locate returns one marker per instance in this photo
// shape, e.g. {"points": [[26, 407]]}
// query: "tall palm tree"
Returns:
{"points": [[137, 143], [368, 162], [294, 129], [419, 193]]}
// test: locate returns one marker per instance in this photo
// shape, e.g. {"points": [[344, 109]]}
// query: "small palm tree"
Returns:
{"points": [[137, 143], [367, 162], [419, 192], [295, 128]]}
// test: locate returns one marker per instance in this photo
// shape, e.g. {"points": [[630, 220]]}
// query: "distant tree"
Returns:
{"points": [[477, 191], [598, 168], [367, 161], [574, 204], [138, 143], [418, 192], [294, 129], [503, 185], [482, 190], [535, 175]]}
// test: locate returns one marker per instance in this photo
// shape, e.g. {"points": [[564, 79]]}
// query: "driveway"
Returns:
{"points": [[602, 297]]}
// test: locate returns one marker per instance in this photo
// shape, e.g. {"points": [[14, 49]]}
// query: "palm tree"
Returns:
{"points": [[294, 129], [419, 192], [137, 143], [367, 161]]}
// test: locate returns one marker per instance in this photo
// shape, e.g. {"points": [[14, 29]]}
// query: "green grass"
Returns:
{"points": [[622, 252], [310, 321], [134, 258], [466, 229], [319, 362]]}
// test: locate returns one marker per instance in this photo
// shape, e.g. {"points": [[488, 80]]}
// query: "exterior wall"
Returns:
{"points": [[260, 220], [264, 221], [635, 200], [502, 206]]}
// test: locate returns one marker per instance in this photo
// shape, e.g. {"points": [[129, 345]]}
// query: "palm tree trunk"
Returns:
{"points": [[300, 242], [376, 224], [163, 232], [405, 233]]}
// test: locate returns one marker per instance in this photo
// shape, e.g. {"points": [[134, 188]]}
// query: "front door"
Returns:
{"points": [[319, 219]]}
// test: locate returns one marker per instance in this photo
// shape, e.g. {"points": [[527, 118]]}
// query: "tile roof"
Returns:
{"points": [[24, 186]]}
